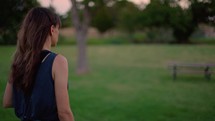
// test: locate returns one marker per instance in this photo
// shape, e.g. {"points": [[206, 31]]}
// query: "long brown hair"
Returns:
{"points": [[30, 40]]}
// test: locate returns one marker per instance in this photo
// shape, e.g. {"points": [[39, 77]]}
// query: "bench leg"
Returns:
{"points": [[174, 72], [207, 73]]}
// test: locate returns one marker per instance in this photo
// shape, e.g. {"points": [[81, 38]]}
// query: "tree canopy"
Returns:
{"points": [[12, 13], [122, 14]]}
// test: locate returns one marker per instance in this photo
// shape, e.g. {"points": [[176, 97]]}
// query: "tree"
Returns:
{"points": [[156, 14], [12, 13], [127, 19], [81, 18], [203, 10], [81, 25], [183, 22], [102, 18]]}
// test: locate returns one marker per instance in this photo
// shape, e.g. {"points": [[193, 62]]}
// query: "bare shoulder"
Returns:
{"points": [[60, 66], [60, 59]]}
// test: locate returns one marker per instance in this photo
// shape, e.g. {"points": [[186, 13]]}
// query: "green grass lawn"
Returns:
{"points": [[132, 83]]}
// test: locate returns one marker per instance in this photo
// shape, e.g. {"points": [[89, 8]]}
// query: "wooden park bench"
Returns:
{"points": [[205, 69]]}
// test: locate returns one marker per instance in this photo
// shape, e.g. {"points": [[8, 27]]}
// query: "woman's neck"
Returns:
{"points": [[47, 44]]}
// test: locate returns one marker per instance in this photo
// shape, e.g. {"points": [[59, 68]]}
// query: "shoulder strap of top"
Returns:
{"points": [[45, 57], [49, 57]]}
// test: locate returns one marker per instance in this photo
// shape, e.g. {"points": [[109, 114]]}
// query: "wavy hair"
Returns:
{"points": [[31, 37]]}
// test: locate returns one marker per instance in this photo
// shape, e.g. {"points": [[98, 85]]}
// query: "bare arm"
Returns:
{"points": [[60, 75], [7, 100]]}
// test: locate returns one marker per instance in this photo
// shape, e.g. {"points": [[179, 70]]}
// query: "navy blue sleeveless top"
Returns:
{"points": [[41, 104]]}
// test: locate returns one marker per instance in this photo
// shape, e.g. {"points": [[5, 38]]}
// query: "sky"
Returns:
{"points": [[62, 6]]}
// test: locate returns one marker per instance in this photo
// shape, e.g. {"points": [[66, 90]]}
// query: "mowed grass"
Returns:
{"points": [[133, 83]]}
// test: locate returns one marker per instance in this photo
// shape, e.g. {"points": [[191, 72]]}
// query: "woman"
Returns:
{"points": [[37, 86]]}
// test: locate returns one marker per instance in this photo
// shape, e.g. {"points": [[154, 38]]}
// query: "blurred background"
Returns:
{"points": [[119, 52]]}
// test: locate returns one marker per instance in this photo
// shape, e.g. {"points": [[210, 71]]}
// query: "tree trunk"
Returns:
{"points": [[82, 65], [81, 36]]}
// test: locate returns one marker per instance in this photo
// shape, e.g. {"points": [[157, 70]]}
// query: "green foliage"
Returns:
{"points": [[114, 40], [167, 14], [182, 23], [66, 40], [66, 20], [138, 37], [159, 35], [123, 15], [127, 17], [202, 10], [156, 14], [161, 14], [12, 13], [102, 19]]}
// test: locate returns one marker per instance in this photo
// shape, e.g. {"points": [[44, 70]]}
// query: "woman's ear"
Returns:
{"points": [[52, 30]]}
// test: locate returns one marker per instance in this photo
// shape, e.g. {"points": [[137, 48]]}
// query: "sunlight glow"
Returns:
{"points": [[61, 6]]}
